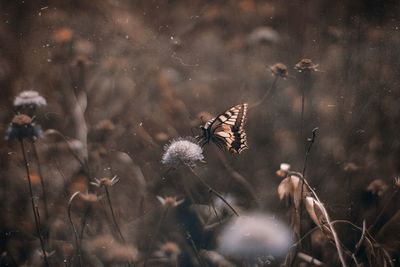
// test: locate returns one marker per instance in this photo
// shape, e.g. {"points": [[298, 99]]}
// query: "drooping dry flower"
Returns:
{"points": [[314, 209], [291, 187], [22, 126], [182, 151], [29, 98], [306, 65], [170, 201], [254, 235], [279, 70]]}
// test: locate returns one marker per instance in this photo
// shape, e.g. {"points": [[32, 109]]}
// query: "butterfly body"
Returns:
{"points": [[226, 130]]}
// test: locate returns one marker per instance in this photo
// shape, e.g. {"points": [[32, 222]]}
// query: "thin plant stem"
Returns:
{"points": [[329, 223], [211, 190], [195, 250], [113, 214], [42, 182], [383, 210], [33, 204], [307, 154], [270, 89], [163, 216], [77, 241]]}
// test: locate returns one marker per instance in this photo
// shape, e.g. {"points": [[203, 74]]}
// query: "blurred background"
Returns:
{"points": [[123, 78]]}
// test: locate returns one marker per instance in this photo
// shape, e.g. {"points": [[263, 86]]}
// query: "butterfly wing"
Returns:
{"points": [[227, 130]]}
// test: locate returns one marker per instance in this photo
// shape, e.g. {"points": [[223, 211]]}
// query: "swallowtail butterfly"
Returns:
{"points": [[226, 130]]}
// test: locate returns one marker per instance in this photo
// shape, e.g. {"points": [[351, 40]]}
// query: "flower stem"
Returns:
{"points": [[42, 182], [211, 190], [163, 215], [113, 214], [77, 241], [33, 204]]}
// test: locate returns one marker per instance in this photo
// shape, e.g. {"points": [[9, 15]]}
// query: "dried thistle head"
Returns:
{"points": [[279, 70], [306, 65], [29, 98], [377, 187], [22, 126], [182, 151], [283, 170], [170, 201], [106, 182]]}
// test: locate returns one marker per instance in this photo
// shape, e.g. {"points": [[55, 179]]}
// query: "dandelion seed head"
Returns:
{"points": [[254, 235], [182, 151], [29, 98]]}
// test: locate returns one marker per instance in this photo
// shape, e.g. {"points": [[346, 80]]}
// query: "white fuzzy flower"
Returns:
{"points": [[182, 151], [254, 236], [29, 98]]}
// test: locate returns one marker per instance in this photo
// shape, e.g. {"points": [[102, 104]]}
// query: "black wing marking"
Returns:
{"points": [[226, 130]]}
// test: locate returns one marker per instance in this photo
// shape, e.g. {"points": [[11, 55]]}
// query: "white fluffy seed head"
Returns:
{"points": [[29, 98], [182, 151], [254, 236]]}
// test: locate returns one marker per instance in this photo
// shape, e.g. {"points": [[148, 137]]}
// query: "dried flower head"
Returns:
{"points": [[22, 127], [89, 197], [283, 170], [106, 182], [63, 35], [306, 65], [290, 187], [170, 201], [254, 235], [105, 125], [377, 187], [350, 167], [30, 99], [397, 182], [108, 250], [279, 70], [170, 249], [182, 152]]}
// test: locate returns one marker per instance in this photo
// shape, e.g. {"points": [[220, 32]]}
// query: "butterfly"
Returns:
{"points": [[226, 130]]}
